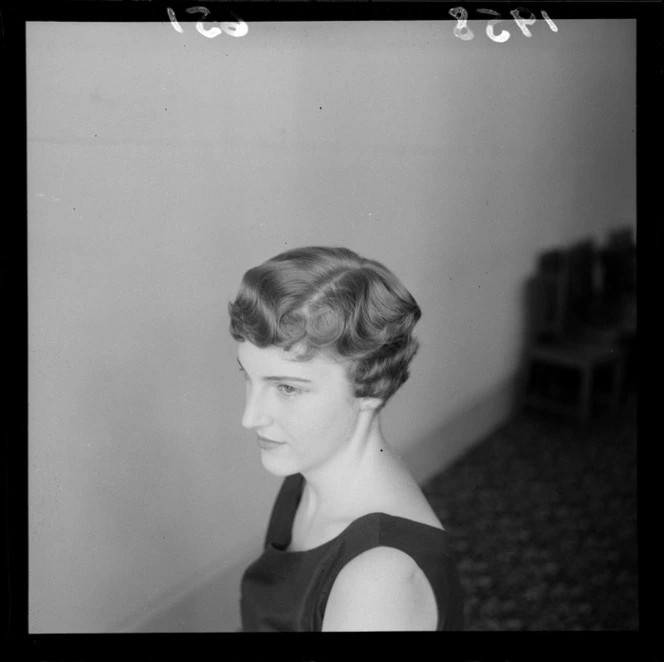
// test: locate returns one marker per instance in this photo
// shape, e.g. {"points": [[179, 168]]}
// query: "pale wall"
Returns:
{"points": [[163, 165]]}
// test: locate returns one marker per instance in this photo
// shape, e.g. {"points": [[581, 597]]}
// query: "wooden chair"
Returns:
{"points": [[565, 293]]}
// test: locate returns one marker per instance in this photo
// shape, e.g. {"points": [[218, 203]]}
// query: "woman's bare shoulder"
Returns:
{"points": [[381, 589]]}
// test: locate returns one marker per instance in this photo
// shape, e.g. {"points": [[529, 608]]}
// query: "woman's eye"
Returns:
{"points": [[287, 389]]}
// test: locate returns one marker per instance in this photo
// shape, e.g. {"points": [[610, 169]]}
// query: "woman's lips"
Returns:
{"points": [[266, 443]]}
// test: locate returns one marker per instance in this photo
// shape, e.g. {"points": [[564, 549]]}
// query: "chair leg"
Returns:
{"points": [[585, 392]]}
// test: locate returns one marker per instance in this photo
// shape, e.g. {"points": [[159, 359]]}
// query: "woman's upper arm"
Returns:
{"points": [[381, 589]]}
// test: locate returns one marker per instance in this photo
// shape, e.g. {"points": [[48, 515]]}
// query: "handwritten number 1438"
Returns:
{"points": [[462, 30]]}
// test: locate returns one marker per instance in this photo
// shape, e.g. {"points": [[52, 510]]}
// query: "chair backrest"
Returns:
{"points": [[580, 263], [621, 238], [619, 266], [548, 307], [549, 300], [565, 288]]}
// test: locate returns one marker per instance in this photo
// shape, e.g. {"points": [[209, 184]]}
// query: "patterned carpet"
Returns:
{"points": [[542, 517]]}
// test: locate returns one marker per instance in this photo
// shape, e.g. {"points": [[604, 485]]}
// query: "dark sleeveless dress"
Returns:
{"points": [[287, 591]]}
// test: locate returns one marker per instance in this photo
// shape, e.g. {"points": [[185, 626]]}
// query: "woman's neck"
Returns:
{"points": [[337, 486]]}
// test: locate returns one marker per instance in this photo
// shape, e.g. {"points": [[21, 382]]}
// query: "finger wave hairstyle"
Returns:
{"points": [[326, 298]]}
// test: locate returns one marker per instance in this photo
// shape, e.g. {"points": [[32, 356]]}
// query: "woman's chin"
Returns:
{"points": [[275, 466]]}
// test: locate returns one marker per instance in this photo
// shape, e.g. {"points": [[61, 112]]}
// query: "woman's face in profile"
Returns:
{"points": [[308, 407]]}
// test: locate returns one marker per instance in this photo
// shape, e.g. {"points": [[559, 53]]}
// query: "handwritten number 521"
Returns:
{"points": [[232, 28]]}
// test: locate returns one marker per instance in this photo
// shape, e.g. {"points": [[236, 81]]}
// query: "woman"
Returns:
{"points": [[324, 340]]}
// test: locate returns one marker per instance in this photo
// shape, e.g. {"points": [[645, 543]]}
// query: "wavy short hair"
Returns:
{"points": [[318, 299]]}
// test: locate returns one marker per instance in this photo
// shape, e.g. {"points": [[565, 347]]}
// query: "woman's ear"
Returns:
{"points": [[370, 403]]}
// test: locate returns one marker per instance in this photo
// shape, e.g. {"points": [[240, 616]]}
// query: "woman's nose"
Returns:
{"points": [[254, 415]]}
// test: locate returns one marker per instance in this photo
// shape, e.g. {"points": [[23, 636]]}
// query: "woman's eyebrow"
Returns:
{"points": [[280, 378], [277, 378]]}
